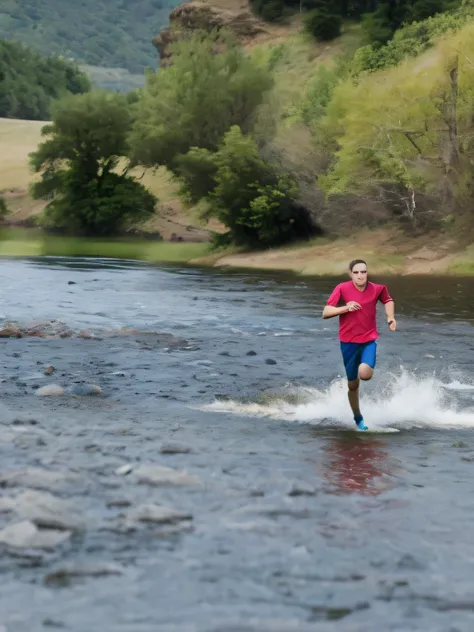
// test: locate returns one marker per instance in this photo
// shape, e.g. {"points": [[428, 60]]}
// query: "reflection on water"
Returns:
{"points": [[356, 465], [35, 243]]}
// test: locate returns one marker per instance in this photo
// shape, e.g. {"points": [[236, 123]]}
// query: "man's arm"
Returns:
{"points": [[390, 312], [330, 311]]}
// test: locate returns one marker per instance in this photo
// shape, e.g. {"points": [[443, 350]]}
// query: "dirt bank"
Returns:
{"points": [[387, 250]]}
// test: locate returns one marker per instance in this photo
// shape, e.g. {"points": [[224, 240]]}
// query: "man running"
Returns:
{"points": [[355, 302]]}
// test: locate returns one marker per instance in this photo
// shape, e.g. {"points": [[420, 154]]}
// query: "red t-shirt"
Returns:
{"points": [[359, 326]]}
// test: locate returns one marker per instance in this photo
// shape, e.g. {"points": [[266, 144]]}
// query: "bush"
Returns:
{"points": [[323, 26], [246, 194], [272, 10]]}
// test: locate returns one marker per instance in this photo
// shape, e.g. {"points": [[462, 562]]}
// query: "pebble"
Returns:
{"points": [[123, 470]]}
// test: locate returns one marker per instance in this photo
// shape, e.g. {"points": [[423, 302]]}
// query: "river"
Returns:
{"points": [[276, 515]]}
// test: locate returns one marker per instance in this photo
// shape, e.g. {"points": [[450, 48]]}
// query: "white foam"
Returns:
{"points": [[405, 401]]}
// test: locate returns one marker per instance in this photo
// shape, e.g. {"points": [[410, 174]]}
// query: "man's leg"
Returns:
{"points": [[351, 353], [353, 394], [367, 361], [365, 372]]}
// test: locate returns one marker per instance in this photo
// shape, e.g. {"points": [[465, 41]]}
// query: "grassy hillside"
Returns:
{"points": [[20, 138], [109, 33]]}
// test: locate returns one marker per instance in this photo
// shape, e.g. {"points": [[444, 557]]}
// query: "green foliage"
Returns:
{"points": [[391, 15], [243, 192], [78, 163], [323, 26], [318, 95], [29, 82], [408, 130], [111, 33], [195, 101], [411, 41]]}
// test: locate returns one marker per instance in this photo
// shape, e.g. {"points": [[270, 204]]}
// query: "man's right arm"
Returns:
{"points": [[335, 305], [330, 311]]}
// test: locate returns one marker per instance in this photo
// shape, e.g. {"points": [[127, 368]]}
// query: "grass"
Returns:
{"points": [[17, 140], [464, 264]]}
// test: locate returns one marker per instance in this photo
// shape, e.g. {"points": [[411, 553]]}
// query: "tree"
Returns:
{"points": [[194, 102], [246, 194], [408, 131], [78, 164]]}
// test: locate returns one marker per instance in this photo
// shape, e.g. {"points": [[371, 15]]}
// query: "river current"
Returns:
{"points": [[273, 513]]}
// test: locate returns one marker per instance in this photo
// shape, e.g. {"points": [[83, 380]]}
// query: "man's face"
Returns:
{"points": [[359, 274]]}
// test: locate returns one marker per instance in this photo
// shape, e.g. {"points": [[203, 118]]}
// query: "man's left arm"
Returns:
{"points": [[390, 312], [389, 305]]}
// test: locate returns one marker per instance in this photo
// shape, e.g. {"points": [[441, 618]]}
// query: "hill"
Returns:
{"points": [[108, 33], [30, 82]]}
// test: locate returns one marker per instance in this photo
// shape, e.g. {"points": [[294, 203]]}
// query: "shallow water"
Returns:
{"points": [[298, 523]]}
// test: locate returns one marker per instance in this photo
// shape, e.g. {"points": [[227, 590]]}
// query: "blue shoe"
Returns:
{"points": [[359, 420]]}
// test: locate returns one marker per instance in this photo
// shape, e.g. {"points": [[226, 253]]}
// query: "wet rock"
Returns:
{"points": [[79, 390], [174, 448], [10, 331], [64, 576], [270, 361], [251, 353], [225, 353], [300, 488], [123, 470], [50, 390], [53, 623], [71, 283], [156, 514], [83, 390], [272, 511], [45, 510], [160, 475], [119, 503], [37, 478], [89, 335], [25, 535]]}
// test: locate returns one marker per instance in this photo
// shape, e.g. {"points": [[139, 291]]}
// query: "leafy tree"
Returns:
{"points": [[29, 83], [78, 164], [323, 26], [246, 194], [195, 101], [408, 130]]}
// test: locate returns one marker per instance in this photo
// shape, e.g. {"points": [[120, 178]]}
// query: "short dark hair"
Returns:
{"points": [[355, 262]]}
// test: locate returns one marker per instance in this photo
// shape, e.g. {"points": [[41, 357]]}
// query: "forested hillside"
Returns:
{"points": [[30, 82], [110, 33]]}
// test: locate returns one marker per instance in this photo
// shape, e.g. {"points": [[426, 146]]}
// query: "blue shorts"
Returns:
{"points": [[354, 354]]}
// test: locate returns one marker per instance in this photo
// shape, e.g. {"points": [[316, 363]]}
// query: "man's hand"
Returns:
{"points": [[392, 325], [352, 306]]}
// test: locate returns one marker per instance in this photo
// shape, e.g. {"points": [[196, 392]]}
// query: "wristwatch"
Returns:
{"points": [[389, 322]]}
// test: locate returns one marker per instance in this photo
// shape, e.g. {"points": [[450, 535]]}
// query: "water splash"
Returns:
{"points": [[404, 401]]}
